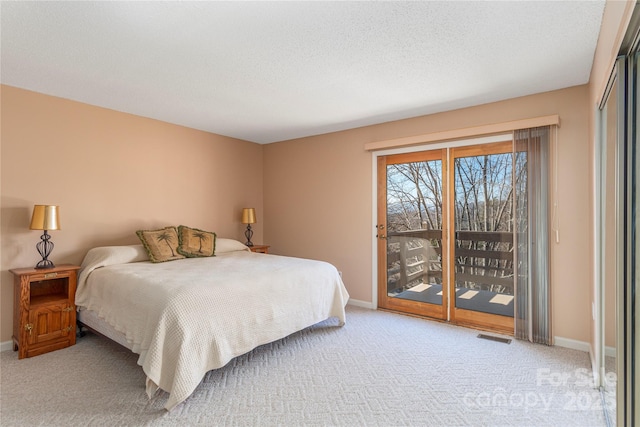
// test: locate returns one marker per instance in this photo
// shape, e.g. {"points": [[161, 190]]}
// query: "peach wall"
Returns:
{"points": [[318, 196], [319, 204], [112, 173]]}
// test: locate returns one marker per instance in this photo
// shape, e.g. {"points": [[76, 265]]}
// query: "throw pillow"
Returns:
{"points": [[196, 243], [161, 245]]}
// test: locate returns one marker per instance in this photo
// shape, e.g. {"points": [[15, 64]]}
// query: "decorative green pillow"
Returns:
{"points": [[196, 243], [162, 244]]}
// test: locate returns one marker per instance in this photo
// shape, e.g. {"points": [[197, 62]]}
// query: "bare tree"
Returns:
{"points": [[483, 202]]}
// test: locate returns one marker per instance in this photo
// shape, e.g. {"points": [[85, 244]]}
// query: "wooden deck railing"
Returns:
{"points": [[483, 259]]}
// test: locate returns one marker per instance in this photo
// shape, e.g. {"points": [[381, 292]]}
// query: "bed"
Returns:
{"points": [[189, 316]]}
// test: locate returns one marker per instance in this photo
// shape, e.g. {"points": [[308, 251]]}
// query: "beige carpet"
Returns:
{"points": [[381, 369]]}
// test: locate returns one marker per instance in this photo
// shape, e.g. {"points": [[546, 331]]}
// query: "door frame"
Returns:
{"points": [[502, 137]]}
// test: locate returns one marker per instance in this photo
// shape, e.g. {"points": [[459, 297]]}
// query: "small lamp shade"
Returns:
{"points": [[45, 217], [248, 216]]}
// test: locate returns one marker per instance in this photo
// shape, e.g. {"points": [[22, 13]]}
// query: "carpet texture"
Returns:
{"points": [[380, 369]]}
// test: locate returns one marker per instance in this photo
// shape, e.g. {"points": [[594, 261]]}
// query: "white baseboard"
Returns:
{"points": [[572, 344], [610, 351], [581, 345], [6, 346], [358, 303]]}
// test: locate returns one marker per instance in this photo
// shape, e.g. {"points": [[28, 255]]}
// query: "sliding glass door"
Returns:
{"points": [[628, 277], [617, 240], [430, 198]]}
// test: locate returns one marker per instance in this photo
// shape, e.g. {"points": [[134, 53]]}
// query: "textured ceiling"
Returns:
{"points": [[271, 71]]}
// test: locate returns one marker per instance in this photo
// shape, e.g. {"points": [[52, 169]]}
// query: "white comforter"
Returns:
{"points": [[189, 316]]}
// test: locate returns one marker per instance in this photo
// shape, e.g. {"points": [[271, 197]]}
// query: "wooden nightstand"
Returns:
{"points": [[44, 311], [261, 249]]}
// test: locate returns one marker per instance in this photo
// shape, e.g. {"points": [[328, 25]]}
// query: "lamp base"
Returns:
{"points": [[44, 247], [45, 263], [248, 235]]}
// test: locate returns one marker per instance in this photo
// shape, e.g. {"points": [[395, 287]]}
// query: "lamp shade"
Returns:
{"points": [[45, 217], [248, 216]]}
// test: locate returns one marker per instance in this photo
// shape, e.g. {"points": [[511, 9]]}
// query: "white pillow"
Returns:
{"points": [[229, 245], [109, 255]]}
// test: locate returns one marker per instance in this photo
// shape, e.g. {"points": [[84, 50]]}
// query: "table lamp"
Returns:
{"points": [[45, 217], [248, 217]]}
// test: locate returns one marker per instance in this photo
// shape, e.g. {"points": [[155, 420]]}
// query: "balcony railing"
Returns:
{"points": [[483, 260]]}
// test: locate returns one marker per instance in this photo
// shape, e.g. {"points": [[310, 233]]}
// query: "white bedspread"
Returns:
{"points": [[189, 316]]}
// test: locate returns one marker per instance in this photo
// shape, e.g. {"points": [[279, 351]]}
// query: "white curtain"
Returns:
{"points": [[531, 148]]}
